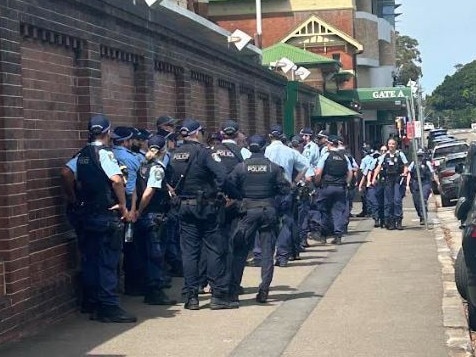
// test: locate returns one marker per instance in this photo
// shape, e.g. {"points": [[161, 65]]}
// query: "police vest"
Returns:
{"points": [[392, 166], [335, 169], [229, 154], [259, 178], [160, 201], [425, 172], [188, 176], [94, 187]]}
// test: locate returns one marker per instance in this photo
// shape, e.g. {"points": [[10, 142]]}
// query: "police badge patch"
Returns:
{"points": [[111, 156], [159, 174], [216, 157]]}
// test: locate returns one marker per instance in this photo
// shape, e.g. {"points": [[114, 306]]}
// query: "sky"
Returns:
{"points": [[444, 34]]}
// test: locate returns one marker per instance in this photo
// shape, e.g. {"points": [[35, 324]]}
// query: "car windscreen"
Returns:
{"points": [[440, 152], [451, 164]]}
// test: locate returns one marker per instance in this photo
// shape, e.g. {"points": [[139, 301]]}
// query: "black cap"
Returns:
{"points": [[121, 133], [256, 141], [230, 127], [156, 141], [306, 131], [333, 139], [99, 124], [276, 130], [189, 126], [323, 134], [165, 119]]}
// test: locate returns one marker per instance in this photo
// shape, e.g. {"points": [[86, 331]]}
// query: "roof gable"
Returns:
{"points": [[316, 31], [295, 54]]}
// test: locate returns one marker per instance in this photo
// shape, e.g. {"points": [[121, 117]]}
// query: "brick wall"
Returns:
{"points": [[61, 62]]}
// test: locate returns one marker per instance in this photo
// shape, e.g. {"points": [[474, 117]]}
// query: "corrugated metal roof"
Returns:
{"points": [[295, 54]]}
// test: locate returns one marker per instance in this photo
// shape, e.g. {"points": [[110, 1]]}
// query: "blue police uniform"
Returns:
{"points": [[103, 229], [364, 164], [332, 199], [150, 227], [289, 160], [132, 162], [392, 168], [426, 174], [375, 197], [311, 153], [257, 180]]}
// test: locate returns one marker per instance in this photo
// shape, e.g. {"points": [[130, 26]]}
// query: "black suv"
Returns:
{"points": [[465, 211]]}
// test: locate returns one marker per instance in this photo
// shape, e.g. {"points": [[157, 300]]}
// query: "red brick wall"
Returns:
{"points": [[118, 90], [165, 93], [56, 71], [277, 26]]}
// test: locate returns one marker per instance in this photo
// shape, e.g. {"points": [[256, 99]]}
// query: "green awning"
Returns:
{"points": [[297, 55], [326, 108]]}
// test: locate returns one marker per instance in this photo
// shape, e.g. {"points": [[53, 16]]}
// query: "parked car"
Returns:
{"points": [[432, 142], [448, 177], [465, 211], [442, 150], [428, 126]]}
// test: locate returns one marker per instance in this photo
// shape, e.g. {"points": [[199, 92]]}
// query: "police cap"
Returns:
{"points": [[276, 131], [156, 142], [121, 133], [230, 127], [189, 126], [99, 124]]}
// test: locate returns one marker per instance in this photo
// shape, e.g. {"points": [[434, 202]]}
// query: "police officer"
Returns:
{"points": [[311, 153], [101, 190], [257, 180], [393, 165], [426, 174], [289, 160], [362, 186], [129, 163], [166, 126], [334, 174], [374, 191], [198, 179], [154, 204]]}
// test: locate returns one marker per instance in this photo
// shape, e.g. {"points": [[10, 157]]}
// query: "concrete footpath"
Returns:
{"points": [[380, 293]]}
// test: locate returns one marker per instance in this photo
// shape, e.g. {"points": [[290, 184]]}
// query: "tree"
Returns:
{"points": [[454, 100], [407, 61]]}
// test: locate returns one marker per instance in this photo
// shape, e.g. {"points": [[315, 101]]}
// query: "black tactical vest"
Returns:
{"points": [[260, 178], [392, 166], [425, 172], [188, 182], [160, 201], [94, 187], [335, 169], [229, 154]]}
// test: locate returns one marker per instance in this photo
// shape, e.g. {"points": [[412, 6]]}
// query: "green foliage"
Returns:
{"points": [[454, 100], [407, 61]]}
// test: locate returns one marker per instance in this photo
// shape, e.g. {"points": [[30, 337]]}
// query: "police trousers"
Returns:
{"points": [[261, 220], [199, 227], [100, 248]]}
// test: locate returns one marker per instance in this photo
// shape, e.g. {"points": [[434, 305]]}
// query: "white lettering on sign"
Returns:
{"points": [[384, 94]]}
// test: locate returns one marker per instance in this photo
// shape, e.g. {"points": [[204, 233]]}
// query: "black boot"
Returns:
{"points": [[422, 221], [376, 223], [382, 223], [218, 303], [389, 224], [192, 303], [398, 224], [262, 296], [113, 313]]}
